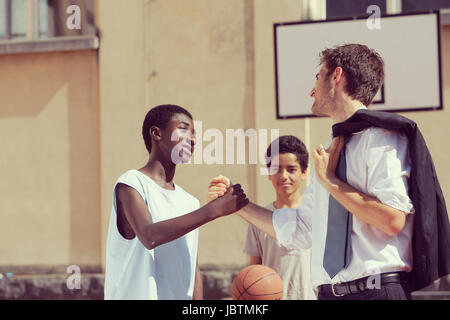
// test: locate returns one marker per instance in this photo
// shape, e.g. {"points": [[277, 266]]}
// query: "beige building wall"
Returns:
{"points": [[49, 168]]}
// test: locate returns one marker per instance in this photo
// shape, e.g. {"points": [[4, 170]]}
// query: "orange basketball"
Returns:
{"points": [[257, 282]]}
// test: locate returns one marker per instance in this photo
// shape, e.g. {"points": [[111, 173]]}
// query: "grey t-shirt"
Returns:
{"points": [[293, 266]]}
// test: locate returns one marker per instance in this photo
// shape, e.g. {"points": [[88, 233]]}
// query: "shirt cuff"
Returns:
{"points": [[400, 203]]}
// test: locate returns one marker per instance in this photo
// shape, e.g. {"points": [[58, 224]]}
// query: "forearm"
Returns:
{"points": [[260, 217], [367, 208], [161, 232]]}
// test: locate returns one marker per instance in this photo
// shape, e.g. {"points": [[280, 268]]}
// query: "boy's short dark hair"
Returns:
{"points": [[289, 144], [363, 69], [159, 116]]}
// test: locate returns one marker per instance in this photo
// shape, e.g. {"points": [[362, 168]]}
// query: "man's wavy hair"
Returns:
{"points": [[363, 69]]}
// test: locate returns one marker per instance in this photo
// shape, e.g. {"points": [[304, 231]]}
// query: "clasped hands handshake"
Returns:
{"points": [[224, 197]]}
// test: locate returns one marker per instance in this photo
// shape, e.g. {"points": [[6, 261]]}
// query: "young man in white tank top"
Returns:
{"points": [[152, 239]]}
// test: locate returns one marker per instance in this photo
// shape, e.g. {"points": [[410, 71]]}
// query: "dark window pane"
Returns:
{"points": [[352, 8], [421, 5]]}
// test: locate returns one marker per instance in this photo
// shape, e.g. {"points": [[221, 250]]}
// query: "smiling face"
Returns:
{"points": [[323, 94], [178, 139], [285, 173]]}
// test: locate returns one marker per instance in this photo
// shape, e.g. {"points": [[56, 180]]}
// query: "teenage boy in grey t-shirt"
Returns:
{"points": [[287, 170], [293, 266]]}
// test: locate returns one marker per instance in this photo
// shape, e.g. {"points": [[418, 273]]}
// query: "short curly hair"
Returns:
{"points": [[289, 144], [160, 116], [363, 69]]}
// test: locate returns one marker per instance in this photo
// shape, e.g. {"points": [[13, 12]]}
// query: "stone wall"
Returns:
{"points": [[216, 283], [54, 286]]}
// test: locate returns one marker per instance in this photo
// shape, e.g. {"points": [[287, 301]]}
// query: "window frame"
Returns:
{"points": [[33, 42]]}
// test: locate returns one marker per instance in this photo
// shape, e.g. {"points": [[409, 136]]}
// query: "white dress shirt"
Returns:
{"points": [[377, 165]]}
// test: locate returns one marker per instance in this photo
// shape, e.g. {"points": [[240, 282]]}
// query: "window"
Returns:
{"points": [[350, 8], [33, 20], [47, 25], [422, 5], [12, 22]]}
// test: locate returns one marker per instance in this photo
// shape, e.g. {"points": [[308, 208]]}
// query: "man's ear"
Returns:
{"points": [[338, 75], [155, 133]]}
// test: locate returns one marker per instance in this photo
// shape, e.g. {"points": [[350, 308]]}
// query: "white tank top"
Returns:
{"points": [[164, 273]]}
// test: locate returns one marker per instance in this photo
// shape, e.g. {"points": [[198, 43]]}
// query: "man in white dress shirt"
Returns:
{"points": [[375, 192]]}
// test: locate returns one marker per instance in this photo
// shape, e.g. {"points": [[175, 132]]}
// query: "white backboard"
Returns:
{"points": [[409, 45]]}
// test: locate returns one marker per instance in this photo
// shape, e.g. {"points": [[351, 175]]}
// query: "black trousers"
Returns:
{"points": [[389, 291]]}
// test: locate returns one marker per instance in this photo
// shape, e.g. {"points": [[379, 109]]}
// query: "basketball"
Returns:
{"points": [[257, 282]]}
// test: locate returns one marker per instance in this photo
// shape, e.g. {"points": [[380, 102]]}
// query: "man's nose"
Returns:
{"points": [[312, 93], [283, 174]]}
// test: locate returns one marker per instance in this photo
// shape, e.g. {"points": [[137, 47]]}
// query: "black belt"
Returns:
{"points": [[359, 285]]}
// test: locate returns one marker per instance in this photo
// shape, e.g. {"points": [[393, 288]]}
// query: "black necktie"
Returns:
{"points": [[339, 228]]}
